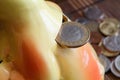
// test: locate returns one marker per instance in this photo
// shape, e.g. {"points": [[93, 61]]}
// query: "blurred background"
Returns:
{"points": [[73, 8]]}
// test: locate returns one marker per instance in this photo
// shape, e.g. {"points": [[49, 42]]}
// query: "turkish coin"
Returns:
{"points": [[113, 20], [112, 43], [108, 53], [93, 13], [109, 26], [72, 34], [105, 62], [117, 63], [117, 43], [114, 70]]}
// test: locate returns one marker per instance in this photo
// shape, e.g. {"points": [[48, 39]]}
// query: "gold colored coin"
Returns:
{"points": [[113, 20], [109, 26], [108, 53], [72, 34]]}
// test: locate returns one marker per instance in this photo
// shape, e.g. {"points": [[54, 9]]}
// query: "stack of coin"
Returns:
{"points": [[72, 34], [109, 46], [115, 66], [108, 53], [111, 43]]}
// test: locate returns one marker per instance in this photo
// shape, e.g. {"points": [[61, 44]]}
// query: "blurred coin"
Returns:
{"points": [[117, 63], [113, 20], [114, 70], [117, 42], [72, 34], [82, 20], [108, 53], [95, 37], [105, 62], [112, 43], [109, 26], [92, 26], [93, 13]]}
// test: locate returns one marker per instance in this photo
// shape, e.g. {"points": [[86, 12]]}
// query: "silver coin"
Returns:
{"points": [[105, 62], [72, 34], [114, 70], [117, 42], [117, 63], [108, 53], [93, 13], [112, 43]]}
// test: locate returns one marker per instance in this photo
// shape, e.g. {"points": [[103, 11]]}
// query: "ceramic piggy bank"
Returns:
{"points": [[28, 50]]}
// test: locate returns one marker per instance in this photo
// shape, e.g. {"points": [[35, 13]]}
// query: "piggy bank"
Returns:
{"points": [[28, 50]]}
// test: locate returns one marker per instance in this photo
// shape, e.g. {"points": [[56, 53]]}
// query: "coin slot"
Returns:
{"points": [[65, 19], [1, 61]]}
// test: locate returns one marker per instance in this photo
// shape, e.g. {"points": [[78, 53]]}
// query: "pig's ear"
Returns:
{"points": [[55, 11]]}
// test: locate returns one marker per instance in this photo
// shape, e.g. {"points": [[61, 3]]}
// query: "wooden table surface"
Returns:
{"points": [[73, 9]]}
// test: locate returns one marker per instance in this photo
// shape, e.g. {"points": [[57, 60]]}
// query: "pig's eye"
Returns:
{"points": [[1, 61]]}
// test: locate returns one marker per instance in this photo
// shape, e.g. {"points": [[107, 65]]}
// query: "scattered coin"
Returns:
{"points": [[72, 34], [82, 20], [112, 43], [108, 53], [92, 26], [114, 70], [109, 26], [105, 62], [113, 20], [93, 13], [95, 37], [117, 63]]}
